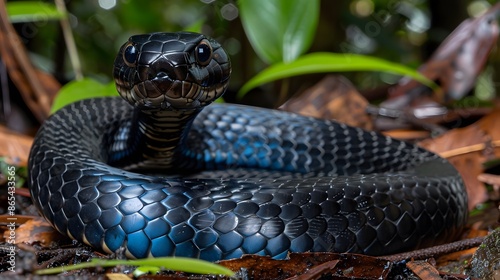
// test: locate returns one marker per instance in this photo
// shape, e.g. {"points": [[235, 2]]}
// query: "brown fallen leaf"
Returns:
{"points": [[467, 149], [494, 181], [38, 231], [14, 146], [334, 97], [119, 276], [424, 270], [317, 272], [349, 266], [37, 88], [456, 256], [30, 230], [455, 65], [490, 179]]}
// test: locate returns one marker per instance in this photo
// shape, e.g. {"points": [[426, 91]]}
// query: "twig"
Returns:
{"points": [[436, 250], [469, 149], [70, 40]]}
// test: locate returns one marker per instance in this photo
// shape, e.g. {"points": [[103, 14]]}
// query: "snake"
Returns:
{"points": [[163, 170]]}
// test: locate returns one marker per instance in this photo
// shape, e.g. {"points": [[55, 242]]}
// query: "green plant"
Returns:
{"points": [[82, 89], [329, 62], [149, 265], [27, 11], [281, 31]]}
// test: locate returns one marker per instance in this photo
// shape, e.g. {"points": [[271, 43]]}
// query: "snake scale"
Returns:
{"points": [[159, 174]]}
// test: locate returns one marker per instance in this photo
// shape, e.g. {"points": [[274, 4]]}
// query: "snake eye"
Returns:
{"points": [[130, 55], [203, 53]]}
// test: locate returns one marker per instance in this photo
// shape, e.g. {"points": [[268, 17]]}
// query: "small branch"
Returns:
{"points": [[436, 250], [70, 40], [469, 149]]}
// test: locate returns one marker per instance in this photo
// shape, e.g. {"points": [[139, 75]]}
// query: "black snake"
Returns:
{"points": [[159, 176]]}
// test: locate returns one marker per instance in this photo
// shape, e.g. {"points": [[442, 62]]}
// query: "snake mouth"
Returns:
{"points": [[163, 93]]}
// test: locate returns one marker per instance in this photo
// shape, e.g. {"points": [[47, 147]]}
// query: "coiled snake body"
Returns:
{"points": [[163, 177]]}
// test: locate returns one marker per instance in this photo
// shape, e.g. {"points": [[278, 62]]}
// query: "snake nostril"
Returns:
{"points": [[162, 81], [161, 74]]}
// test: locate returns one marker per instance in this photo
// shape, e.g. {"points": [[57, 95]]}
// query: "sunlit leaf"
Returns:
{"points": [[27, 11], [143, 270], [279, 30], [169, 263], [330, 62], [82, 89]]}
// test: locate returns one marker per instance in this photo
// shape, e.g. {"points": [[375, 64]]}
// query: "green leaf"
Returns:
{"points": [[82, 89], [26, 11], [195, 26], [330, 62], [169, 263], [279, 30], [13, 173], [142, 270]]}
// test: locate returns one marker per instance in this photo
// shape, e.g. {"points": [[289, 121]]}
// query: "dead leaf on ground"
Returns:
{"points": [[334, 97], [423, 269], [349, 266], [30, 230], [37, 88], [455, 65], [467, 149], [14, 146], [490, 179]]}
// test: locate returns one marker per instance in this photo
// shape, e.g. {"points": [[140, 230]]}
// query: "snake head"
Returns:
{"points": [[171, 71]]}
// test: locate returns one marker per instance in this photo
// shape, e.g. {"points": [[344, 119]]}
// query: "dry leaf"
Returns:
{"points": [[37, 89], [456, 63], [349, 266], [467, 149], [31, 229], [37, 230], [424, 270], [117, 276], [15, 147], [334, 97], [490, 179]]}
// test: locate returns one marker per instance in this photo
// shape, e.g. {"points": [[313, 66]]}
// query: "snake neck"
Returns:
{"points": [[152, 140]]}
